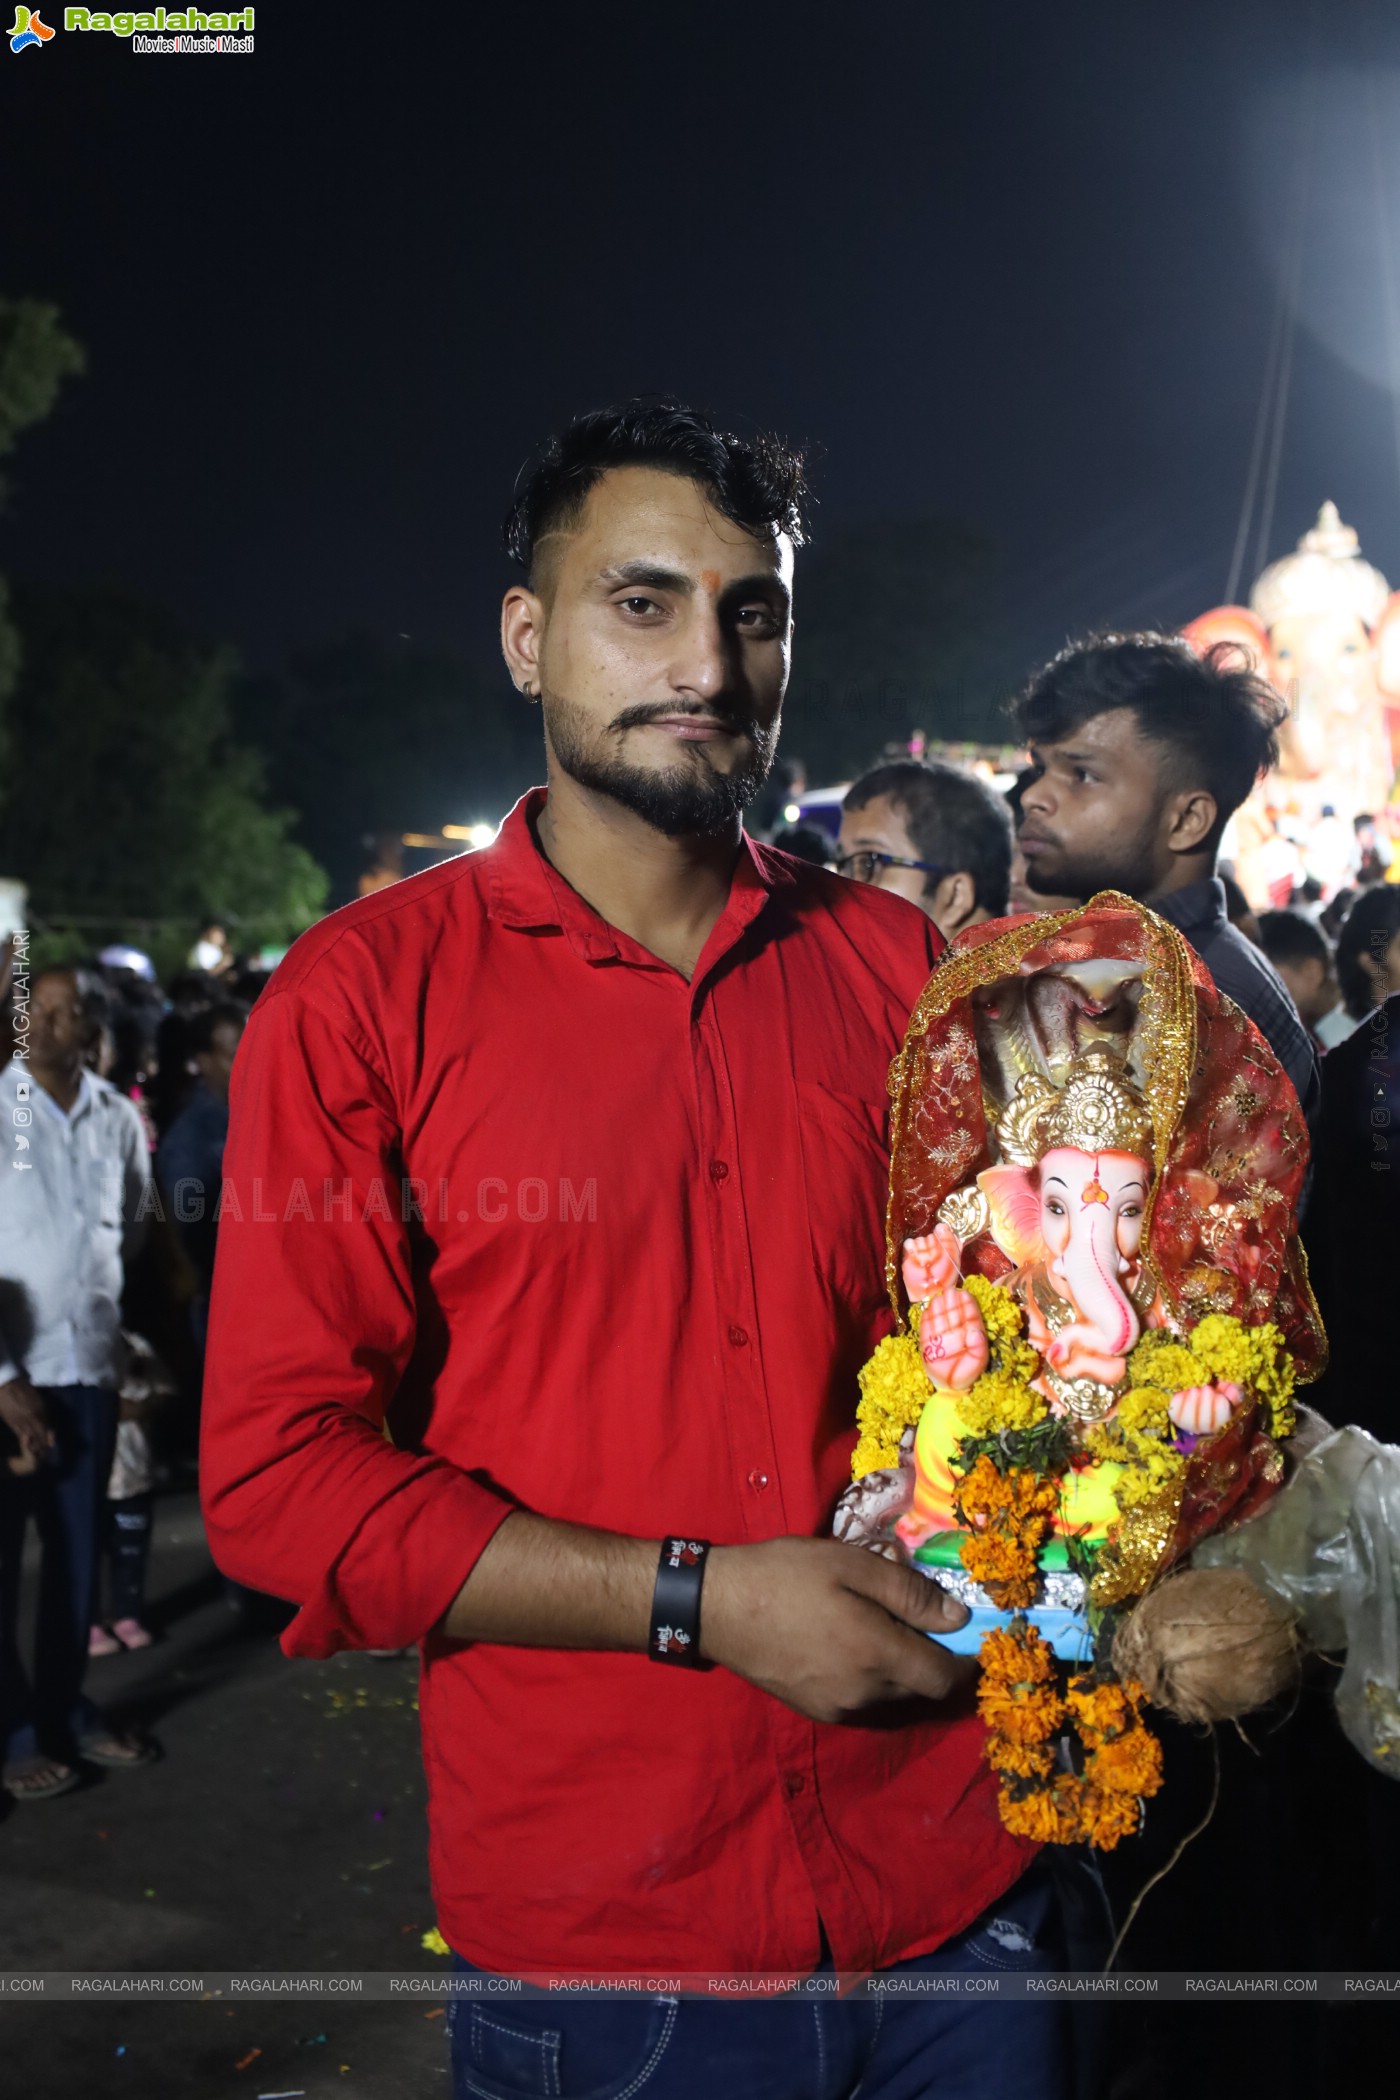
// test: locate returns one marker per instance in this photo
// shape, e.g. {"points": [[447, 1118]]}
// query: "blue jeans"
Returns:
{"points": [[691, 2048], [67, 1498]]}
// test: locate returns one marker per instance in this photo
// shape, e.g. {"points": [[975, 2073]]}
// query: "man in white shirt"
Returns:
{"points": [[1302, 954], [74, 1197]]}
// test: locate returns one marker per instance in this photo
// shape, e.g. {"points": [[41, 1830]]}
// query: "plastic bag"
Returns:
{"points": [[1328, 1547]]}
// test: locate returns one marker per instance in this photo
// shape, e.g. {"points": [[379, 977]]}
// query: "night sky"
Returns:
{"points": [[1013, 267]]}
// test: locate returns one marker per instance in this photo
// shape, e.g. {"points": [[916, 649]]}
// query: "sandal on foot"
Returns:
{"points": [[130, 1633], [24, 1778], [117, 1750], [100, 1642]]}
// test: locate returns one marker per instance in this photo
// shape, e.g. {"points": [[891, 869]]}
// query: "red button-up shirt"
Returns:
{"points": [[607, 1245]]}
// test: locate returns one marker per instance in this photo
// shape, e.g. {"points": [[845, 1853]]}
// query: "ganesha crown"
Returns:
{"points": [[1098, 1109]]}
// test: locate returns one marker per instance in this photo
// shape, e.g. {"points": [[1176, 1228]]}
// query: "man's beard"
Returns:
{"points": [[1128, 865], [685, 800]]}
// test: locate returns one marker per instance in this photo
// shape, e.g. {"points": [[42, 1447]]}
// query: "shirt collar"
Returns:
{"points": [[18, 1068], [1198, 906], [526, 892]]}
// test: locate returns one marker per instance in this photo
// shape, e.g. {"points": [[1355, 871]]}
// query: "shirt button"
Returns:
{"points": [[719, 1170], [758, 1482], [739, 1336], [793, 1784]]}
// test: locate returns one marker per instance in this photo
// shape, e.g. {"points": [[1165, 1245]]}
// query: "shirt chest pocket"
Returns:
{"points": [[101, 1190], [845, 1166]]}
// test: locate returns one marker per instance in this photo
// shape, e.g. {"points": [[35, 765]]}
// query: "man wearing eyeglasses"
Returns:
{"points": [[934, 834]]}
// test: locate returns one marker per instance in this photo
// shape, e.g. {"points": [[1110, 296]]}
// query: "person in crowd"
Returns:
{"points": [[1238, 909], [383, 862], [189, 1164], [130, 1514], [807, 841], [71, 1210], [1351, 1234], [1334, 912], [189, 993], [1020, 896], [1368, 950], [932, 833], [1373, 855], [1302, 954], [621, 1401], [124, 1049], [1143, 751], [212, 951]]}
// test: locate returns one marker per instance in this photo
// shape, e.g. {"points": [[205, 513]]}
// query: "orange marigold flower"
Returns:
{"points": [[1036, 1815], [1100, 1708], [1020, 1760], [1105, 1819], [1130, 1764], [1029, 1717], [1017, 1656], [1005, 1569]]}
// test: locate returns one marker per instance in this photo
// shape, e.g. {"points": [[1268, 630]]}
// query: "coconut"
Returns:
{"points": [[1208, 1645]]}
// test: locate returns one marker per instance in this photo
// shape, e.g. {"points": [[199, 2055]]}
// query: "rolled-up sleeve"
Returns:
{"points": [[312, 1323]]}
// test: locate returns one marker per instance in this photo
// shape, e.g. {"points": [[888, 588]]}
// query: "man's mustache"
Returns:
{"points": [[638, 717]]}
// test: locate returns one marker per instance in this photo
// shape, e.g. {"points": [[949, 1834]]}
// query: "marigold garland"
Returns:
{"points": [[1008, 1517], [894, 1389], [1024, 1712], [1003, 1397]]}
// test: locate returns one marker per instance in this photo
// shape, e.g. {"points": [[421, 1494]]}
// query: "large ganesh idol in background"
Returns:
{"points": [[1103, 1308], [1324, 627]]}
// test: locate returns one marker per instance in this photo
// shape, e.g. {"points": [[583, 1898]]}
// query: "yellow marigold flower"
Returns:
{"points": [[1161, 1360], [1001, 1315], [1143, 1410], [1256, 1358], [1226, 1345], [871, 1455], [1000, 1400], [894, 1388], [1152, 1471]]}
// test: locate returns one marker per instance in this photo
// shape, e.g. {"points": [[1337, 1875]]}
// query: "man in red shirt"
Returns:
{"points": [[566, 1160]]}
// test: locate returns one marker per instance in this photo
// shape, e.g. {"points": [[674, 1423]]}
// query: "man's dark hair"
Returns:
{"points": [[1368, 929], [1215, 721], [954, 820], [807, 841], [1292, 937], [755, 481], [226, 1013]]}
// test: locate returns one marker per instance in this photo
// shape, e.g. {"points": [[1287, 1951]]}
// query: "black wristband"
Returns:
{"points": [[675, 1603]]}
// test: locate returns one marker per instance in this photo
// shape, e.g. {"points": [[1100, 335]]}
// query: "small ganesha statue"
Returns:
{"points": [[1065, 1207]]}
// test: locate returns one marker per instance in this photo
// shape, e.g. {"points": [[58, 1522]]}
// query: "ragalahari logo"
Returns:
{"points": [[28, 30]]}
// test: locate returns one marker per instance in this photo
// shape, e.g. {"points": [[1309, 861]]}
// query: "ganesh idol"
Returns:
{"points": [[1092, 1256], [1067, 1207], [1323, 626]]}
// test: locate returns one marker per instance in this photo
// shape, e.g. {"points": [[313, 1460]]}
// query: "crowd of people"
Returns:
{"points": [[118, 1099], [1138, 752]]}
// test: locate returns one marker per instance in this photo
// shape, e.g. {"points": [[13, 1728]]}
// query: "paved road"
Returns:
{"points": [[284, 1828]]}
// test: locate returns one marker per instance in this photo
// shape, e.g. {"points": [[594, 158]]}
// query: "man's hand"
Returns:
{"points": [[22, 1410], [829, 1629]]}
